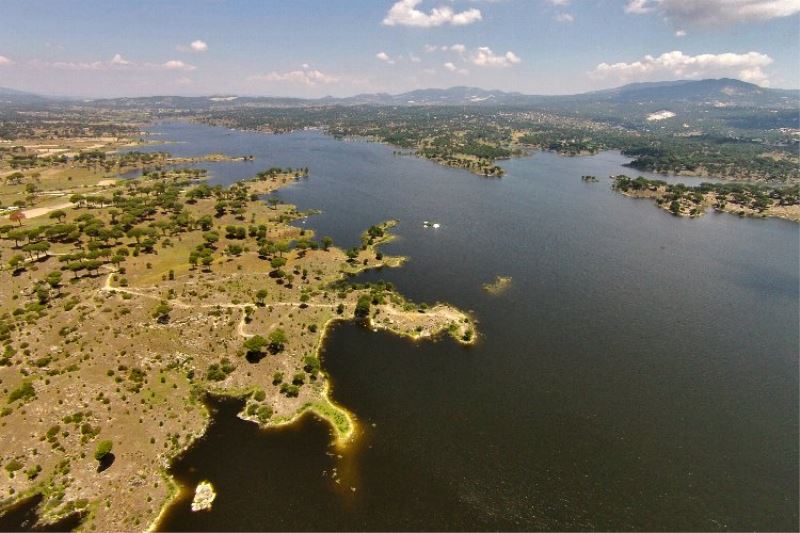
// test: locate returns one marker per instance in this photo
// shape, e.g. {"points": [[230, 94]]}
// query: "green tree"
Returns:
{"points": [[59, 214], [254, 347], [161, 312], [362, 306], [102, 450], [277, 340], [261, 294]]}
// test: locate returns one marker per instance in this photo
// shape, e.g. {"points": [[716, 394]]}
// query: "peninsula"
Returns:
{"points": [[122, 310]]}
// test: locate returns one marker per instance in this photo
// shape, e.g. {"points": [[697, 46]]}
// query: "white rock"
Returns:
{"points": [[204, 496]]}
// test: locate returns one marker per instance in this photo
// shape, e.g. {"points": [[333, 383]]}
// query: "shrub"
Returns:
{"points": [[103, 449]]}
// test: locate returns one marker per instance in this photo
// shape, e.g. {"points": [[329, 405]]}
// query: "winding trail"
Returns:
{"points": [[107, 287]]}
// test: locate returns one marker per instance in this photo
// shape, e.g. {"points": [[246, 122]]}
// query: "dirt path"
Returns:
{"points": [[39, 211], [107, 287]]}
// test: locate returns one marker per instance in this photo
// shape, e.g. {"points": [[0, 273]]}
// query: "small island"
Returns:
{"points": [[742, 199], [204, 496], [499, 285]]}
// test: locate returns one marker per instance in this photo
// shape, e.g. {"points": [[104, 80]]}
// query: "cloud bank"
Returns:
{"points": [[677, 65], [714, 12], [307, 76]]}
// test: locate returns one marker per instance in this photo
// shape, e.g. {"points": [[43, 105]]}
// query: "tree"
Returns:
{"points": [[234, 250], [17, 262], [261, 294], [104, 448], [311, 365], [211, 237], [161, 312], [254, 348], [326, 243], [59, 214], [277, 262], [362, 306], [277, 340], [17, 216]]}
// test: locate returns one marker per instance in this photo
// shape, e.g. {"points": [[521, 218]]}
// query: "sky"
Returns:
{"points": [[313, 48]]}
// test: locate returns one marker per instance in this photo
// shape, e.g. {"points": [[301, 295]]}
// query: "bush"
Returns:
{"points": [[103, 449], [362, 307]]}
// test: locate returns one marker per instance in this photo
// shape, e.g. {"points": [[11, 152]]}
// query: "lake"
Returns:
{"points": [[640, 372]]}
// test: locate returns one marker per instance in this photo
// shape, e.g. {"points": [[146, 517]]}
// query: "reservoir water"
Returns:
{"points": [[640, 372]]}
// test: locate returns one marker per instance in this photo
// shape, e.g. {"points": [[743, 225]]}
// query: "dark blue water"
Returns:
{"points": [[641, 372]]}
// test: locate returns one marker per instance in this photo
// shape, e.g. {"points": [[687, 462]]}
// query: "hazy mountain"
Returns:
{"points": [[723, 92], [18, 98]]}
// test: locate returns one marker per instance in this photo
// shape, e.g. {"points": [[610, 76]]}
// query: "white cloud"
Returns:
{"points": [[308, 77], [714, 12], [116, 63], [460, 48], [559, 2], [119, 60], [677, 65], [383, 56], [484, 57], [199, 46], [564, 17], [638, 7], [177, 64], [4, 61], [449, 66], [430, 48], [680, 33], [405, 13], [413, 58], [194, 46]]}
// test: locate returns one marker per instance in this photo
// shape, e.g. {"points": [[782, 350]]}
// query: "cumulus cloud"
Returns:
{"points": [[564, 17], [559, 2], [680, 33], [176, 64], [307, 76], [119, 60], [484, 57], [383, 56], [714, 12], [199, 46], [451, 67], [405, 13], [4, 61], [677, 65], [194, 46]]}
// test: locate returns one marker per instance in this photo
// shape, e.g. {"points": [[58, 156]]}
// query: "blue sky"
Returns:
{"points": [[312, 48]]}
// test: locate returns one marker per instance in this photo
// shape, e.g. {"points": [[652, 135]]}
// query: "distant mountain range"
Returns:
{"points": [[717, 92]]}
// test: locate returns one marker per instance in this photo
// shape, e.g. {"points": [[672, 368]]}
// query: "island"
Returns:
{"points": [[742, 199]]}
